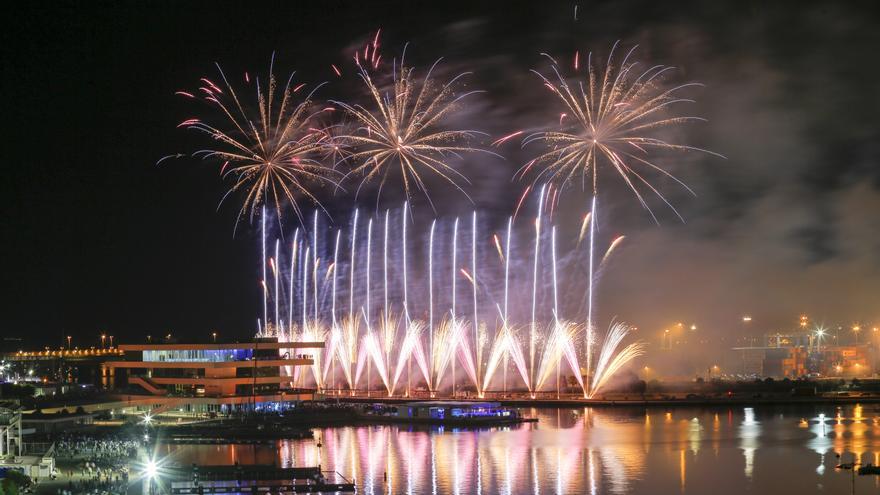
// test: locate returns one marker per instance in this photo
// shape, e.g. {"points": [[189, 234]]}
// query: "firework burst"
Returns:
{"points": [[612, 117], [401, 131], [270, 151]]}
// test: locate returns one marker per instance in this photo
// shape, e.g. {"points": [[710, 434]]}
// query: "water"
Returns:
{"points": [[684, 450]]}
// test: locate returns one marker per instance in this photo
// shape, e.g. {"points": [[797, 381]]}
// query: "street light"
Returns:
{"points": [[111, 341], [103, 338], [68, 342], [746, 323], [214, 336], [820, 332]]}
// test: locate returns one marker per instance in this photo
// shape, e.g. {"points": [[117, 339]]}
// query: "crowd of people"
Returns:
{"points": [[95, 465]]}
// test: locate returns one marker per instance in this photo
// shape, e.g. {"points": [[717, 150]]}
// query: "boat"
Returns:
{"points": [[444, 413]]}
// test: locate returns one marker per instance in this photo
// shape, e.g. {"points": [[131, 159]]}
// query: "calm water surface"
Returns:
{"points": [[695, 450]]}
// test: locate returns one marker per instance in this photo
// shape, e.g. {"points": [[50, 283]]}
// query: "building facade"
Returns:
{"points": [[215, 375]]}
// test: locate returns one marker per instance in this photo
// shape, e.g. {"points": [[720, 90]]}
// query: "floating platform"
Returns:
{"points": [[254, 479], [445, 413], [221, 434]]}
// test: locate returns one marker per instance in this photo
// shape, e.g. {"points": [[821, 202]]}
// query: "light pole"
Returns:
{"points": [[856, 329], [103, 338], [874, 345], [820, 332], [214, 336], [68, 342], [111, 341]]}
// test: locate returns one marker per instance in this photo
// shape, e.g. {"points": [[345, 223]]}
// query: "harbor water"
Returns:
{"points": [[768, 449]]}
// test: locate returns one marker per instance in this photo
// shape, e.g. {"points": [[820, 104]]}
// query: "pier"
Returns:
{"points": [[253, 479]]}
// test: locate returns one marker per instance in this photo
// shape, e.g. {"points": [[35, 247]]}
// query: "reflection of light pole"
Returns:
{"points": [[151, 470], [851, 466]]}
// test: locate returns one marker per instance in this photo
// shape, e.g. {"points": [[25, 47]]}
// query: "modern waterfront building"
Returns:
{"points": [[216, 377]]}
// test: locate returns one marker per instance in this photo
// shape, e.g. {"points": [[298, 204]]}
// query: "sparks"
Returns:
{"points": [[614, 114], [271, 150], [400, 132]]}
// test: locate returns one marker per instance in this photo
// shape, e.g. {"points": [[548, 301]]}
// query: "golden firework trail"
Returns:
{"points": [[611, 118], [271, 151], [401, 131], [610, 359]]}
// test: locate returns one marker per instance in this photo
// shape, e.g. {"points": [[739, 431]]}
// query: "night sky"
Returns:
{"points": [[97, 238]]}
